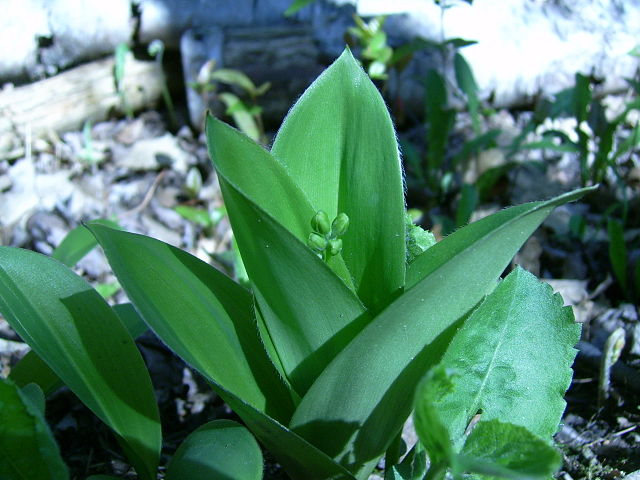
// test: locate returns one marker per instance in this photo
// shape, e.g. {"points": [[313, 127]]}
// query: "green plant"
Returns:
{"points": [[247, 117], [121, 54], [156, 50], [321, 358]]}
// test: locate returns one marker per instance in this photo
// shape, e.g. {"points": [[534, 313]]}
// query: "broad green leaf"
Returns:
{"points": [[103, 477], [513, 358], [201, 314], [218, 450], [339, 146], [28, 450], [361, 399], [310, 315], [77, 334], [253, 171], [77, 243], [31, 368], [502, 450]]}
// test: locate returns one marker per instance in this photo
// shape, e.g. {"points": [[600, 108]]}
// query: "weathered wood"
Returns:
{"points": [[66, 101]]}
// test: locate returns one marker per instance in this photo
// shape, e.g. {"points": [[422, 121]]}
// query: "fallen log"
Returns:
{"points": [[88, 92]]}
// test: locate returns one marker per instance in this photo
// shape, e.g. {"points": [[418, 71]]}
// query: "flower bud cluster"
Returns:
{"points": [[324, 238]]}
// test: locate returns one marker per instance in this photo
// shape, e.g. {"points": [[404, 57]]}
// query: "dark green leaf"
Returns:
{"points": [[440, 119], [339, 146], [75, 332], [618, 251], [28, 450], [466, 205], [218, 450]]}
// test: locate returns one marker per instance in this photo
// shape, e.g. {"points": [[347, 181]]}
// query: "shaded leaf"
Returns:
{"points": [[28, 450], [218, 450]]}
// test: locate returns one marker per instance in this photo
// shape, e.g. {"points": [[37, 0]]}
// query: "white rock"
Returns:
{"points": [[154, 153], [528, 47]]}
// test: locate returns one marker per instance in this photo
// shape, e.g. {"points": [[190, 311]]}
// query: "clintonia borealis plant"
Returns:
{"points": [[342, 334]]}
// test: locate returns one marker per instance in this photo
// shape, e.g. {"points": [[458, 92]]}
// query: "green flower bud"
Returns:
{"points": [[317, 242], [340, 225], [320, 223], [335, 246]]}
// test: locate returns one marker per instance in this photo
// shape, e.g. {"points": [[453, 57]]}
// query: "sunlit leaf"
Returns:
{"points": [[339, 146]]}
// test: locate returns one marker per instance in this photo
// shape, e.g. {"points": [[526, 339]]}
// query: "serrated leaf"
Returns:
{"points": [[361, 399], [28, 450], [512, 357], [217, 450], [496, 449], [339, 147], [75, 332]]}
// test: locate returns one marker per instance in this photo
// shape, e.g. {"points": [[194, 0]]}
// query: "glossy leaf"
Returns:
{"points": [[361, 399], [28, 450], [31, 368], [513, 357], [338, 145], [218, 450], [309, 313], [201, 314], [75, 332]]}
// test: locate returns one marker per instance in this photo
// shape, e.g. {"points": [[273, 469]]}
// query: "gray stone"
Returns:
{"points": [[47, 231]]}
